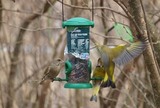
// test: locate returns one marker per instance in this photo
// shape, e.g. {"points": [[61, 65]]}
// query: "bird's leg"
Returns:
{"points": [[95, 93], [111, 72], [106, 81], [106, 76], [109, 79]]}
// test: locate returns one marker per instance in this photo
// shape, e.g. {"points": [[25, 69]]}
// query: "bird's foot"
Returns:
{"points": [[113, 85], [108, 83]]}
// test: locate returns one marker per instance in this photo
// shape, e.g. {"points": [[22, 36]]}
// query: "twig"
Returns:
{"points": [[111, 37], [149, 37], [135, 85], [157, 21], [1, 95], [114, 100], [49, 2], [114, 18], [111, 20], [15, 57], [130, 16], [57, 43], [30, 29], [86, 8], [102, 14], [27, 12], [30, 76], [103, 21], [131, 99]]}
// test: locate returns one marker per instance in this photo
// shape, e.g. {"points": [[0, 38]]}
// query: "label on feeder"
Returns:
{"points": [[78, 42]]}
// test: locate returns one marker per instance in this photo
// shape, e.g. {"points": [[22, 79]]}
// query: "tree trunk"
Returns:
{"points": [[153, 68]]}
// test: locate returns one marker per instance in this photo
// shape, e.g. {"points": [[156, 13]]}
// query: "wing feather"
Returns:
{"points": [[105, 60], [131, 52]]}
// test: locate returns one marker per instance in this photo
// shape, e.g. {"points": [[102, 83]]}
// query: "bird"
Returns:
{"points": [[97, 73], [117, 56], [52, 70]]}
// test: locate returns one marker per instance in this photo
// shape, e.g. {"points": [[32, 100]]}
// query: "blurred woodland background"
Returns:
{"points": [[31, 36]]}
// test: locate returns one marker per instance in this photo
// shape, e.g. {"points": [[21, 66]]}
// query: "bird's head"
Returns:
{"points": [[57, 62]]}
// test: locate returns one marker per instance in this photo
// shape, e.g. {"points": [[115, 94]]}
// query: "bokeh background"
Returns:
{"points": [[31, 36]]}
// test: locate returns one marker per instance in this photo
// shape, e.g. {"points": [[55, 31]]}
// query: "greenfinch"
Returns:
{"points": [[118, 55], [97, 73]]}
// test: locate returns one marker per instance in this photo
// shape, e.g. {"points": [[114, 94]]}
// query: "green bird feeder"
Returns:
{"points": [[78, 65]]}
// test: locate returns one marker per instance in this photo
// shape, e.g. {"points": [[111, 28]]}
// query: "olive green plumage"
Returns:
{"points": [[97, 73], [118, 55]]}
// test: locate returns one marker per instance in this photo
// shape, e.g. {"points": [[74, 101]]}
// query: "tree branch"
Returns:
{"points": [[130, 16], [15, 57], [96, 8]]}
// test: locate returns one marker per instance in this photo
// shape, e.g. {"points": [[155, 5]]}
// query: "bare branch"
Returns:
{"points": [[135, 85], [30, 29], [148, 34], [111, 37], [15, 57], [28, 12], [88, 8], [130, 16], [30, 76]]}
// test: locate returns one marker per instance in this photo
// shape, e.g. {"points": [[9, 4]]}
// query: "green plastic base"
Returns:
{"points": [[78, 85]]}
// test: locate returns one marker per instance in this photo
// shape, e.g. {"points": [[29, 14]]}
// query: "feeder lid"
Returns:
{"points": [[78, 21]]}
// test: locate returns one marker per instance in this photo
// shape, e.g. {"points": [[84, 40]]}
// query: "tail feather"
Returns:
{"points": [[93, 98]]}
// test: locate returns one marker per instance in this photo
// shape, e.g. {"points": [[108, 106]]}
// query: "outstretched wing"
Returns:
{"points": [[131, 52]]}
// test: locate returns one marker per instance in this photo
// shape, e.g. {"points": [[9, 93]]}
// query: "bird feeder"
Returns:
{"points": [[78, 64]]}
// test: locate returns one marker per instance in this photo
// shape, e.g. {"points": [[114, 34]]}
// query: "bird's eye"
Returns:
{"points": [[58, 60]]}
